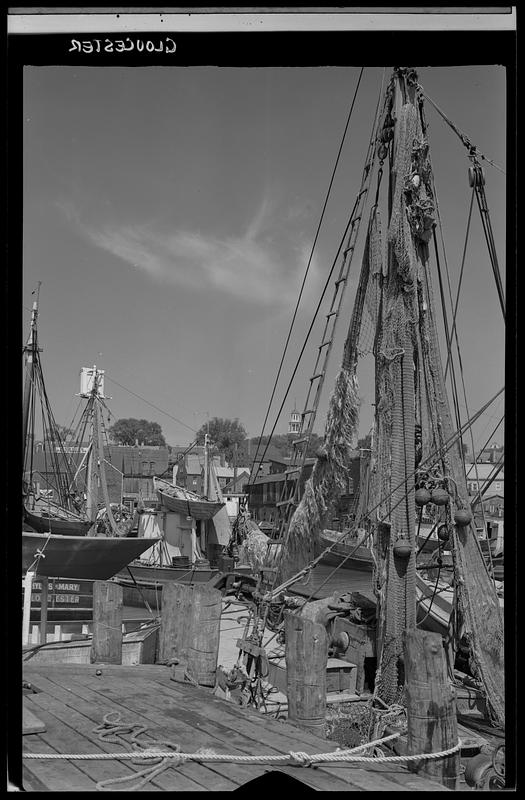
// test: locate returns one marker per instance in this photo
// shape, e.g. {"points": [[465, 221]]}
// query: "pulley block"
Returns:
{"points": [[476, 177]]}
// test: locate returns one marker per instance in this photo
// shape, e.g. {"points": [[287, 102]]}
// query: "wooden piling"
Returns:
{"points": [[43, 609], [431, 707], [106, 645], [189, 631], [26, 619], [306, 654]]}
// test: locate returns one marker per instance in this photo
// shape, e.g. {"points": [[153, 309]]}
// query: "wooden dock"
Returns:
{"points": [[72, 700]]}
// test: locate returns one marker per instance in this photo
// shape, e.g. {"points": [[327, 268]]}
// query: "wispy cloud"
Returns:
{"points": [[264, 264]]}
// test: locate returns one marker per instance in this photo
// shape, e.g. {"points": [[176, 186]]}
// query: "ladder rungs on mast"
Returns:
{"points": [[315, 377], [297, 442], [285, 502], [290, 470], [325, 344]]}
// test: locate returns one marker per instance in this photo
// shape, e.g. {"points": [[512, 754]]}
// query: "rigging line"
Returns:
{"points": [[445, 447], [462, 136], [152, 405], [497, 469], [447, 332], [327, 197], [373, 139], [487, 442], [455, 333], [487, 229], [460, 276], [327, 283], [418, 624], [449, 352]]}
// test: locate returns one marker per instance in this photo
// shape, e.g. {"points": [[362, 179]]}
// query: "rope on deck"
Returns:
{"points": [[112, 729], [293, 758]]}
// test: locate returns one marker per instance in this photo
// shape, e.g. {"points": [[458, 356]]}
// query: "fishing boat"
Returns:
{"points": [[191, 531], [58, 510], [417, 457], [87, 557], [66, 534], [182, 501]]}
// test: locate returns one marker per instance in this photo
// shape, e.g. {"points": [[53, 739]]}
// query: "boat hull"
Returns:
{"points": [[56, 525], [86, 557], [433, 608], [345, 554], [143, 584], [181, 501]]}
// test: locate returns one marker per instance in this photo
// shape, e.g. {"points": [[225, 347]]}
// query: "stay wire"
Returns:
{"points": [[462, 136], [454, 334], [460, 277], [327, 197], [153, 405], [488, 440]]}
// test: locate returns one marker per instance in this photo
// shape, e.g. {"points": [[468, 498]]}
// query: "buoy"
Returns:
{"points": [[98, 672], [341, 641], [416, 180], [439, 497], [382, 152], [443, 533], [402, 548], [462, 517], [422, 497]]}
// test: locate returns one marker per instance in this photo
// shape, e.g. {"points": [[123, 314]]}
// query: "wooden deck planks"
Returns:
{"points": [[94, 706], [193, 730], [59, 776], [79, 737], [75, 699], [235, 737], [297, 738]]}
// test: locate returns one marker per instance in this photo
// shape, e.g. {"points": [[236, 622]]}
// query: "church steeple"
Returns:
{"points": [[294, 426]]}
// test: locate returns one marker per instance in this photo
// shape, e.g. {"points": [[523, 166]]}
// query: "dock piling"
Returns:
{"points": [[189, 631], [106, 645], [431, 707], [306, 656]]}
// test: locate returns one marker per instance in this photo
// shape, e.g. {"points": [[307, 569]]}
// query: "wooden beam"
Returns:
{"points": [[306, 654], [431, 707], [106, 646]]}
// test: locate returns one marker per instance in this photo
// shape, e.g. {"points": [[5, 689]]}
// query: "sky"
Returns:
{"points": [[170, 213]]}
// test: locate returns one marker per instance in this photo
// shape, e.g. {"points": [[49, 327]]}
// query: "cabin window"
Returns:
{"points": [[497, 486]]}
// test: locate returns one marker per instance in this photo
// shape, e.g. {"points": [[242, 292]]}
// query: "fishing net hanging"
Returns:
{"points": [[330, 473]]}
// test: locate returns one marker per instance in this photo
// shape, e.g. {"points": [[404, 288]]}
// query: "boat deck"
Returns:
{"points": [[71, 700]]}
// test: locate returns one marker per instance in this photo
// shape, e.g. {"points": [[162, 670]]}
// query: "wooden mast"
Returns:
{"points": [[31, 349]]}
